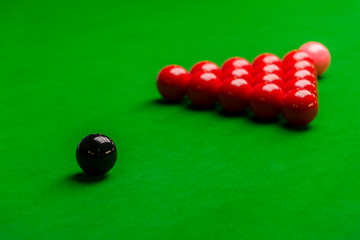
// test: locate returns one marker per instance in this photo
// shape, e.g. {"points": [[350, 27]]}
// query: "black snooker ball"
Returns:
{"points": [[96, 154]]}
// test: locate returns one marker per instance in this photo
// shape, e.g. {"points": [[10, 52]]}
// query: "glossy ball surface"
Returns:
{"points": [[266, 100], [232, 73], [300, 74], [206, 66], [96, 154], [269, 68], [203, 89], [300, 107], [172, 82], [295, 56], [265, 59], [320, 55], [237, 62], [234, 95], [303, 64], [301, 84], [269, 78]]}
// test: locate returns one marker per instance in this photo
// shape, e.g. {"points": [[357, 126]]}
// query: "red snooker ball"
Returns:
{"points": [[265, 59], [269, 78], [300, 74], [266, 100], [234, 95], [295, 56], [237, 73], [320, 54], [269, 68], [237, 62], [301, 84], [300, 107], [203, 89], [172, 82], [303, 64], [206, 66]]}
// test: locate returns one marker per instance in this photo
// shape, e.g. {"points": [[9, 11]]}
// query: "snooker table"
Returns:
{"points": [[72, 68]]}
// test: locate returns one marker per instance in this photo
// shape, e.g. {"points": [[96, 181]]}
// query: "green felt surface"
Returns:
{"points": [[78, 67]]}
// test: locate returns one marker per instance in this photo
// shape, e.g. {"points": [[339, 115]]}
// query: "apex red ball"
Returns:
{"points": [[172, 82]]}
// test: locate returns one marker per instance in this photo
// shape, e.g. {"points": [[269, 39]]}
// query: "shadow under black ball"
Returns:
{"points": [[96, 154]]}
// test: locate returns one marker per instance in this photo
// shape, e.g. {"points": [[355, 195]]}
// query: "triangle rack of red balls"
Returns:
{"points": [[269, 86]]}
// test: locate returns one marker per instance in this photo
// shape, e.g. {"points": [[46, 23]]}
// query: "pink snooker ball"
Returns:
{"points": [[320, 54]]}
